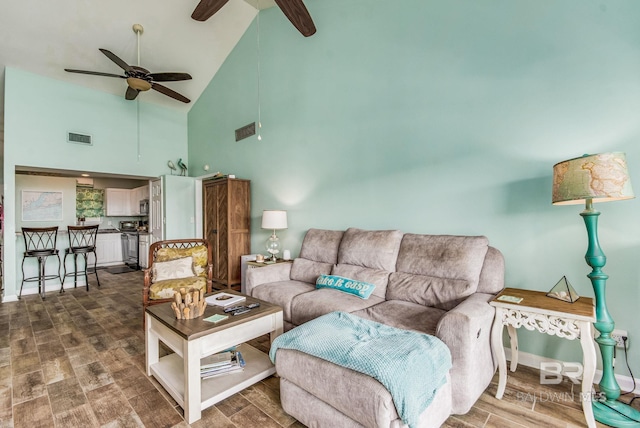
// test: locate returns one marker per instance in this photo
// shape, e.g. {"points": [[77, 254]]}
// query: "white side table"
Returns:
{"points": [[555, 317]]}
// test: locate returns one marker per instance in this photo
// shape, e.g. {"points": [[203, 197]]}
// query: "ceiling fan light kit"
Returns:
{"points": [[140, 79]]}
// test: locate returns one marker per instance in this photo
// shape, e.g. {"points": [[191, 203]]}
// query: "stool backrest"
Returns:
{"points": [[39, 238], [82, 236]]}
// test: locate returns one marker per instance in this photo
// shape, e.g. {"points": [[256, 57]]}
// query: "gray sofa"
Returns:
{"points": [[434, 284]]}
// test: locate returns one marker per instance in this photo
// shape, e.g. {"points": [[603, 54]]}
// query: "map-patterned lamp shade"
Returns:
{"points": [[602, 178]]}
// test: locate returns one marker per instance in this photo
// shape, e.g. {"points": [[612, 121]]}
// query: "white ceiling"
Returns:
{"points": [[44, 37]]}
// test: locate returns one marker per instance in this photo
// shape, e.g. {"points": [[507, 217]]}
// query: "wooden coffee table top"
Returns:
{"points": [[197, 327]]}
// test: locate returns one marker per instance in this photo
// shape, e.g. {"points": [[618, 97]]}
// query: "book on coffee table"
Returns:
{"points": [[224, 299]]}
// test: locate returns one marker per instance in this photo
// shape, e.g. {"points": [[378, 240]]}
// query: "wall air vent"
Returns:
{"points": [[84, 139], [245, 131]]}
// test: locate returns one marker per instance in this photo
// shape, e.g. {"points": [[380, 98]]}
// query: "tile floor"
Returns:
{"points": [[77, 360]]}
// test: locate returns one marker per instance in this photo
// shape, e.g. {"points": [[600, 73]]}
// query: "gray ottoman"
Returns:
{"points": [[321, 394]]}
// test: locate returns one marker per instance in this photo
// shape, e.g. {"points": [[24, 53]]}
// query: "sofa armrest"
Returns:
{"points": [[466, 330], [263, 275]]}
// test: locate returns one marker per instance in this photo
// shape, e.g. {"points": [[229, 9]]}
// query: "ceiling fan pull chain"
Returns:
{"points": [[258, 52]]}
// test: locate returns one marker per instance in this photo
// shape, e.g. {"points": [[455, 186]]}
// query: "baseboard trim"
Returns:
{"points": [[533, 361]]}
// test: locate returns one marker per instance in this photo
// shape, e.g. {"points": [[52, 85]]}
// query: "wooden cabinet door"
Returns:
{"points": [[227, 219]]}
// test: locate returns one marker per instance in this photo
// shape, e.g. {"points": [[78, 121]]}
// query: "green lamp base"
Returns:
{"points": [[616, 414]]}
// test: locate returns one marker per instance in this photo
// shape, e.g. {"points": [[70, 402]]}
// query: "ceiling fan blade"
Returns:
{"points": [[170, 92], [299, 16], [131, 93], [123, 65], [207, 8], [95, 73], [170, 77]]}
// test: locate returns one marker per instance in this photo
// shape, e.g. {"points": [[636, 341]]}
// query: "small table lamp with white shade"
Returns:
{"points": [[587, 180], [274, 220]]}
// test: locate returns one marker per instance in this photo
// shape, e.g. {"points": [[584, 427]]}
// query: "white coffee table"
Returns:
{"points": [[191, 340]]}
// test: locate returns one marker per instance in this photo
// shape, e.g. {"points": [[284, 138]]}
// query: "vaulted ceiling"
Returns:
{"points": [[45, 37]]}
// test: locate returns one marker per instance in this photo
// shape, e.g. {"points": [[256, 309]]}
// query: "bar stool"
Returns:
{"points": [[39, 242], [82, 241]]}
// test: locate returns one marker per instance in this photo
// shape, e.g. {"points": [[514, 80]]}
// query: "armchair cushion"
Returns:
{"points": [[172, 269], [165, 289], [199, 254]]}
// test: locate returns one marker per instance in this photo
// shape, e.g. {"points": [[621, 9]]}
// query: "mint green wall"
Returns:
{"points": [[440, 117], [40, 111], [179, 207]]}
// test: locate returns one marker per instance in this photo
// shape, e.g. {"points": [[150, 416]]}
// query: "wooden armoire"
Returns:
{"points": [[227, 222]]}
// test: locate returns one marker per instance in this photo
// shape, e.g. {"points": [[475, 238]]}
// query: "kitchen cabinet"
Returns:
{"points": [[125, 202], [108, 249], [227, 222], [143, 244], [117, 202]]}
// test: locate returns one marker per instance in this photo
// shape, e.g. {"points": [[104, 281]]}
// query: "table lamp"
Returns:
{"points": [[275, 220], [590, 179]]}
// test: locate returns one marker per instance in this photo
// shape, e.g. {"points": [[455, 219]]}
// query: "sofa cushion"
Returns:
{"points": [[346, 285], [405, 315], [321, 245], [436, 269], [377, 277], [308, 270], [282, 293], [376, 249], [308, 306]]}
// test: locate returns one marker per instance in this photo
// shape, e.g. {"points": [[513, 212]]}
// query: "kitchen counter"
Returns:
{"points": [[108, 231]]}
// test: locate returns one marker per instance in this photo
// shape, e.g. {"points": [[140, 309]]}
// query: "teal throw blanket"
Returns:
{"points": [[412, 366]]}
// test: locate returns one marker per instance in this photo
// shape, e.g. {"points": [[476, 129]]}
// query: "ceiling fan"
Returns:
{"points": [[138, 78], [294, 10]]}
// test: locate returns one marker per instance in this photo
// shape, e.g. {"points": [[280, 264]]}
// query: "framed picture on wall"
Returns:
{"points": [[41, 205]]}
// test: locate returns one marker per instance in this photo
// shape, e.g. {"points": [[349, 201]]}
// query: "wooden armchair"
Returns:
{"points": [[174, 264]]}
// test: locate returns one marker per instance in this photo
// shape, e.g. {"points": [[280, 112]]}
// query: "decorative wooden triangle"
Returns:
{"points": [[563, 291]]}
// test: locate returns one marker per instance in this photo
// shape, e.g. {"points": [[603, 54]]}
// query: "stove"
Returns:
{"points": [[129, 238]]}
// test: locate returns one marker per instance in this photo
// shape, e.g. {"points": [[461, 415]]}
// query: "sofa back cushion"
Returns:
{"points": [[321, 245], [376, 249], [308, 271], [435, 269]]}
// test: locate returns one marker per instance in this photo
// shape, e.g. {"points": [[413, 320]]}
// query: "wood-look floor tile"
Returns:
{"points": [[232, 405], [23, 346], [93, 375], [213, 417], [115, 359], [73, 339], [523, 415], [102, 342], [252, 417], [57, 369], [132, 381], [82, 355], [20, 333], [51, 350], [5, 356], [268, 404], [108, 403], [498, 422], [25, 363], [33, 413], [130, 420], [66, 395], [454, 422], [80, 416], [6, 376], [475, 417], [28, 386], [6, 417], [6, 397], [154, 410]]}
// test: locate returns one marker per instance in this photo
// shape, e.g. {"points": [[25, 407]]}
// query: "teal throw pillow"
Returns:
{"points": [[346, 285]]}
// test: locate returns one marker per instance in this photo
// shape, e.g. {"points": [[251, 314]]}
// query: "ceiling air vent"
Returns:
{"points": [[74, 137]]}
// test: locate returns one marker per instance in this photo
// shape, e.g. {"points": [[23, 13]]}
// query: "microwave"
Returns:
{"points": [[144, 207]]}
